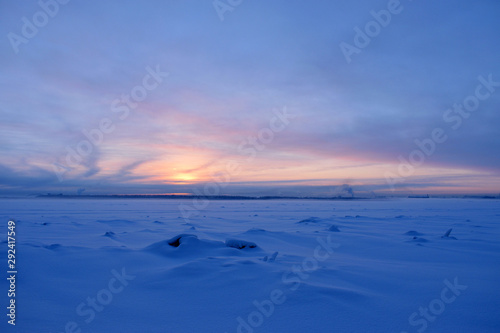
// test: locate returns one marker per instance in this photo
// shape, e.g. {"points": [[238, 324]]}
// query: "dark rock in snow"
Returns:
{"points": [[240, 244]]}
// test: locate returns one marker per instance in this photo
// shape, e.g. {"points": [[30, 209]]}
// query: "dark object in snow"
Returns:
{"points": [[272, 258], [240, 244], [447, 235], [177, 240]]}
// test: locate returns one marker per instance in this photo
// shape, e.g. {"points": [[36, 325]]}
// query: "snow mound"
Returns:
{"points": [[334, 228], [311, 219], [255, 231], [147, 231], [413, 233], [53, 246], [179, 239], [186, 245], [109, 234], [240, 244], [419, 240], [116, 222]]}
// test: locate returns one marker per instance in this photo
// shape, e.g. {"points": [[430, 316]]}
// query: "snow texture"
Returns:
{"points": [[207, 274]]}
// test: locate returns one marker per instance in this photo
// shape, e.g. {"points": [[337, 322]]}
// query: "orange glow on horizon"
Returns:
{"points": [[185, 177]]}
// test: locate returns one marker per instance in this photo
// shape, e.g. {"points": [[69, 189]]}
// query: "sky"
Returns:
{"points": [[307, 98]]}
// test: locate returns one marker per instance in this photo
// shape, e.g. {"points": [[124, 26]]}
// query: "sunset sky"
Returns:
{"points": [[259, 97]]}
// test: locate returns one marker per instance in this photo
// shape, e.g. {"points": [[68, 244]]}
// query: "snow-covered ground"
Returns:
{"points": [[136, 265]]}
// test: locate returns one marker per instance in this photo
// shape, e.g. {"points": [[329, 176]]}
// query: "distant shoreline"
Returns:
{"points": [[240, 197], [209, 197]]}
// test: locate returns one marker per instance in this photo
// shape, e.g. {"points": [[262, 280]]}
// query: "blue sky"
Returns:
{"points": [[227, 82]]}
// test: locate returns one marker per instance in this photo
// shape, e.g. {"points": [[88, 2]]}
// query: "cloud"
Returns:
{"points": [[227, 77]]}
